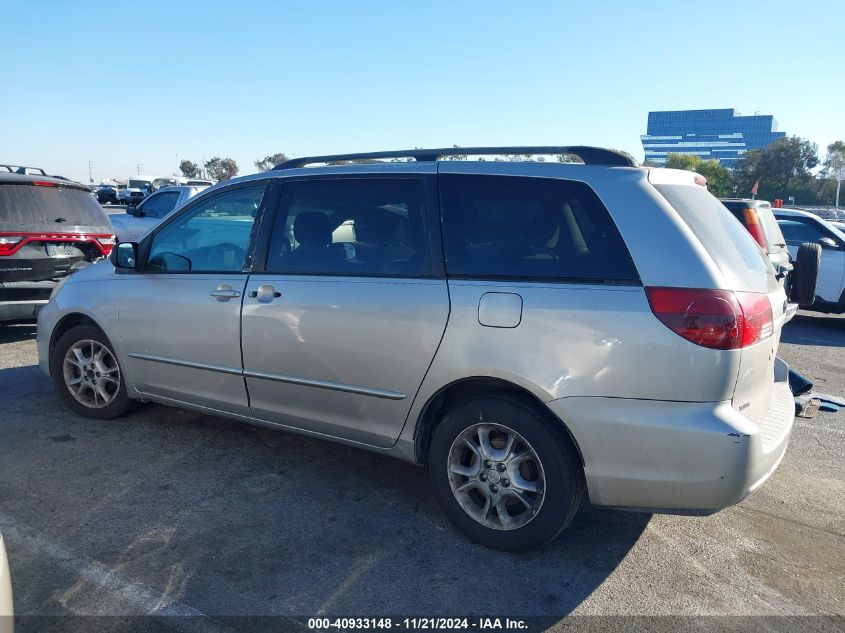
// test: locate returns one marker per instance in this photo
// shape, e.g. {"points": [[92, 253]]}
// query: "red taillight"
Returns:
{"points": [[107, 243], [752, 223], [757, 317], [9, 243], [718, 319], [44, 183]]}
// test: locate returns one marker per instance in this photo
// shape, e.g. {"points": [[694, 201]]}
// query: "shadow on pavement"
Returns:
{"points": [[15, 333], [819, 330], [239, 520]]}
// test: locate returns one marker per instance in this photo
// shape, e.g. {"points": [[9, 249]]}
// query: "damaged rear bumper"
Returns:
{"points": [[677, 457]]}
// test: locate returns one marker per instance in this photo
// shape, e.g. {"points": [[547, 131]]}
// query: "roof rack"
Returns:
{"points": [[590, 155]]}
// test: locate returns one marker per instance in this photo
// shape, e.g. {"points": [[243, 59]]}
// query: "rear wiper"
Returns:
{"points": [[781, 245]]}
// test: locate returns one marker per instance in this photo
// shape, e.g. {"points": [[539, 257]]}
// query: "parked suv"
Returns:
{"points": [[531, 332], [48, 227]]}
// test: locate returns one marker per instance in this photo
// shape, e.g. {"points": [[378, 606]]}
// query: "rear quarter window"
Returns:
{"points": [[515, 227], [727, 241]]}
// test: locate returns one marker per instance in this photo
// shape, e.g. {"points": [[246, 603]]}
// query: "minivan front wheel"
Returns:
{"points": [[87, 375], [505, 474]]}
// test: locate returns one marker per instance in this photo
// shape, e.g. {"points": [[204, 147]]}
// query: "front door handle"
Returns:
{"points": [[225, 292], [265, 293]]}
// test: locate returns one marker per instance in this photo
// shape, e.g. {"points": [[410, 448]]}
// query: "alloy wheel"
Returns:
{"points": [[496, 476], [91, 373]]}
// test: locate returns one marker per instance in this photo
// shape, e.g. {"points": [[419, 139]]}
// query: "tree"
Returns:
{"points": [[835, 159], [268, 162], [221, 168], [719, 180], [783, 169], [189, 169]]}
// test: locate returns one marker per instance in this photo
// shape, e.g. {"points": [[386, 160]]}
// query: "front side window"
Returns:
{"points": [[355, 226], [160, 204], [530, 228], [212, 236]]}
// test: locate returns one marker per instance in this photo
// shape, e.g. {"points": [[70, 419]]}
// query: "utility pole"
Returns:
{"points": [[90, 177], [840, 176], [138, 167]]}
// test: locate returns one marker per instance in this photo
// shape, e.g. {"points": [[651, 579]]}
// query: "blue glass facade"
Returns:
{"points": [[723, 135]]}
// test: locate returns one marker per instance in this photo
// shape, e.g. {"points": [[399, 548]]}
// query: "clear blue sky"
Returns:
{"points": [[246, 79]]}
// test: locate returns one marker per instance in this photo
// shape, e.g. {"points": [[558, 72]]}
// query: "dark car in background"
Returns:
{"points": [[106, 194], [48, 228]]}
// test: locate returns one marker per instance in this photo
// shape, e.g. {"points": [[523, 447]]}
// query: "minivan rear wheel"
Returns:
{"points": [[505, 473], [87, 375]]}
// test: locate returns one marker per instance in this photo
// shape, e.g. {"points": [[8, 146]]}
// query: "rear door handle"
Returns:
{"points": [[265, 293], [225, 292]]}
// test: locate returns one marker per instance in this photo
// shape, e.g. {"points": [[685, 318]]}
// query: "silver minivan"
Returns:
{"points": [[531, 332]]}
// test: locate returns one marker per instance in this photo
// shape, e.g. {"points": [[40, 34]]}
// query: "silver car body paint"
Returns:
{"points": [[661, 423]]}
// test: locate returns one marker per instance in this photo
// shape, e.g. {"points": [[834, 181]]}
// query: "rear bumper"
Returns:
{"points": [[677, 457], [23, 300]]}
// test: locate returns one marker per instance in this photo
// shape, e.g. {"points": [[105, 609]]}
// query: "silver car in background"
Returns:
{"points": [[135, 222], [531, 332]]}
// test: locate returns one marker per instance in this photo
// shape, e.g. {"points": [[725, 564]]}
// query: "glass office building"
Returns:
{"points": [[723, 135]]}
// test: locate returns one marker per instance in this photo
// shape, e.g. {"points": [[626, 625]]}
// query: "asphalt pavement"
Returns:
{"points": [[179, 513]]}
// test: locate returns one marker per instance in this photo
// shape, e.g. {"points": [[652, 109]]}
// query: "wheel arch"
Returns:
{"points": [[462, 389], [67, 323]]}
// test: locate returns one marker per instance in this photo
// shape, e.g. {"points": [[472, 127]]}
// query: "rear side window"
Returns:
{"points": [[57, 206], [729, 243], [355, 226], [530, 228]]}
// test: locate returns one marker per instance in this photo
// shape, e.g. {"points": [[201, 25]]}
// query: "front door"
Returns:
{"points": [[343, 322], [179, 318]]}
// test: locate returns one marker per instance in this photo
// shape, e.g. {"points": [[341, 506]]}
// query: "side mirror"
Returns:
{"points": [[135, 211], [828, 242], [125, 255]]}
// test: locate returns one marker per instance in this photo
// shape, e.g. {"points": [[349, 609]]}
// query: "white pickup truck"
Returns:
{"points": [[136, 221]]}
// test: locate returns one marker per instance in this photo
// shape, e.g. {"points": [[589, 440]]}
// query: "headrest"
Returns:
{"points": [[312, 229]]}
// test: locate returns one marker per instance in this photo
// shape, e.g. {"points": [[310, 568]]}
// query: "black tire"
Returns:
{"points": [[564, 476], [120, 404], [806, 273]]}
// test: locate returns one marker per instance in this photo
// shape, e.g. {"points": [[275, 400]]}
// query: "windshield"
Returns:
{"points": [[138, 184]]}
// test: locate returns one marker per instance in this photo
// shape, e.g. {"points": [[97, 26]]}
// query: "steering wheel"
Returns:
{"points": [[225, 256]]}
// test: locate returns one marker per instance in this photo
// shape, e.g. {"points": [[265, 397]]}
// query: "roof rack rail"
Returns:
{"points": [[590, 155]]}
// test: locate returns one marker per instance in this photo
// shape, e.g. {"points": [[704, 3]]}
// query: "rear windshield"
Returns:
{"points": [[63, 207], [729, 243]]}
